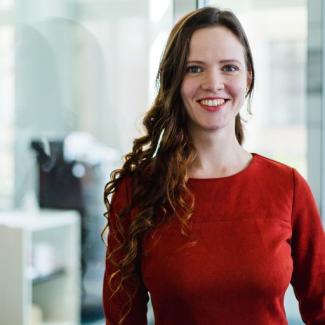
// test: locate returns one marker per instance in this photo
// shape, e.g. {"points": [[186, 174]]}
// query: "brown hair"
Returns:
{"points": [[159, 184]]}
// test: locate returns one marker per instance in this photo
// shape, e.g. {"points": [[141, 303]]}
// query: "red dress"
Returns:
{"points": [[253, 233]]}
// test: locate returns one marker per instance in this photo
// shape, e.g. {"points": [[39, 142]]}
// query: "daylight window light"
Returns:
{"points": [[156, 50], [6, 4], [158, 9]]}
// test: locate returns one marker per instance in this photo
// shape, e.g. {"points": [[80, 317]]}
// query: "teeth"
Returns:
{"points": [[212, 102]]}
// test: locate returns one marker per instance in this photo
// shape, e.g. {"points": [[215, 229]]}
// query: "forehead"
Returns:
{"points": [[215, 42]]}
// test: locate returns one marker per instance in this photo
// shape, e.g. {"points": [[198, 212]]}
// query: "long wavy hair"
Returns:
{"points": [[159, 160]]}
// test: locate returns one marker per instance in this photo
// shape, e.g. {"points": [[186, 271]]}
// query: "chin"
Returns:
{"points": [[211, 128]]}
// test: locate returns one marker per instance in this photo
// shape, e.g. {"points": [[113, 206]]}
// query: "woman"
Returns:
{"points": [[215, 234]]}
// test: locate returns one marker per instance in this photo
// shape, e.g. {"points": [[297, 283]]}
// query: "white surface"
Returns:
{"points": [[38, 219], [58, 298]]}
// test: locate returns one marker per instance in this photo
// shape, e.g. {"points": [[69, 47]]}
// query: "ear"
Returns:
{"points": [[249, 78]]}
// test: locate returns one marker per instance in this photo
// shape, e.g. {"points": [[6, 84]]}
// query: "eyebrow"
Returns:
{"points": [[221, 61]]}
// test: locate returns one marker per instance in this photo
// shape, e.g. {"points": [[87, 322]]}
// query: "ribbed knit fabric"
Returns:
{"points": [[253, 233]]}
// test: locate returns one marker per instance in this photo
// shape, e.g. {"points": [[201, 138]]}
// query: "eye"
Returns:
{"points": [[230, 68], [194, 69]]}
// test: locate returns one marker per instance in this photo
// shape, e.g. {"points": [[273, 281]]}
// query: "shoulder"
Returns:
{"points": [[272, 164], [122, 193], [281, 173], [272, 168]]}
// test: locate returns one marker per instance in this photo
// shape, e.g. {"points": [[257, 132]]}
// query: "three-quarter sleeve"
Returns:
{"points": [[308, 254], [114, 306]]}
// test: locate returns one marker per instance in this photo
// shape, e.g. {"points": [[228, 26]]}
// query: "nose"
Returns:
{"points": [[212, 81]]}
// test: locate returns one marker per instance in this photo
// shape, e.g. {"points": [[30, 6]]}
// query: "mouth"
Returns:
{"points": [[213, 104]]}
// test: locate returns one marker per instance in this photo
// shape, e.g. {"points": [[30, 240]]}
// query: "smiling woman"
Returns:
{"points": [[216, 80], [214, 233], [214, 88]]}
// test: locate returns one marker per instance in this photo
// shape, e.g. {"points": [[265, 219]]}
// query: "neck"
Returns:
{"points": [[218, 154]]}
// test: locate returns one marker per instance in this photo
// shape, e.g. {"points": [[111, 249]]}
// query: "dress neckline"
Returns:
{"points": [[239, 173]]}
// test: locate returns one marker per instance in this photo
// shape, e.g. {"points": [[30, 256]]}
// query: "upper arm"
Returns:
{"points": [[115, 305], [308, 253]]}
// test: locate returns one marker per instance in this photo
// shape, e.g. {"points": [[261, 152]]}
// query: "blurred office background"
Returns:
{"points": [[76, 77]]}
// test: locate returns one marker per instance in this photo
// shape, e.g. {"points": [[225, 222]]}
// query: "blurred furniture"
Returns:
{"points": [[78, 185], [40, 265]]}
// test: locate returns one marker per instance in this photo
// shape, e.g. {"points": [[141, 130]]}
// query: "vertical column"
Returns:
{"points": [[315, 90]]}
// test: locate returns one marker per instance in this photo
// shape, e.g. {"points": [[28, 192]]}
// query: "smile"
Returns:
{"points": [[212, 102], [213, 105]]}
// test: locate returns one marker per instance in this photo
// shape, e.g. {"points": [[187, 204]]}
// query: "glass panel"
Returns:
{"points": [[75, 67], [7, 80]]}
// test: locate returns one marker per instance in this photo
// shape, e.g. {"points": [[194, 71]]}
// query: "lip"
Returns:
{"points": [[213, 108], [213, 97]]}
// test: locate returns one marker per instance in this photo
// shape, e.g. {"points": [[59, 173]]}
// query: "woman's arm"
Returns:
{"points": [[115, 306], [308, 253]]}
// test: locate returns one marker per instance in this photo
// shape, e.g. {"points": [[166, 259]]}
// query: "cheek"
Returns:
{"points": [[187, 90], [238, 89]]}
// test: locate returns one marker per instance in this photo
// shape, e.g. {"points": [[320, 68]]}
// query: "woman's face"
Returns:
{"points": [[216, 80]]}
